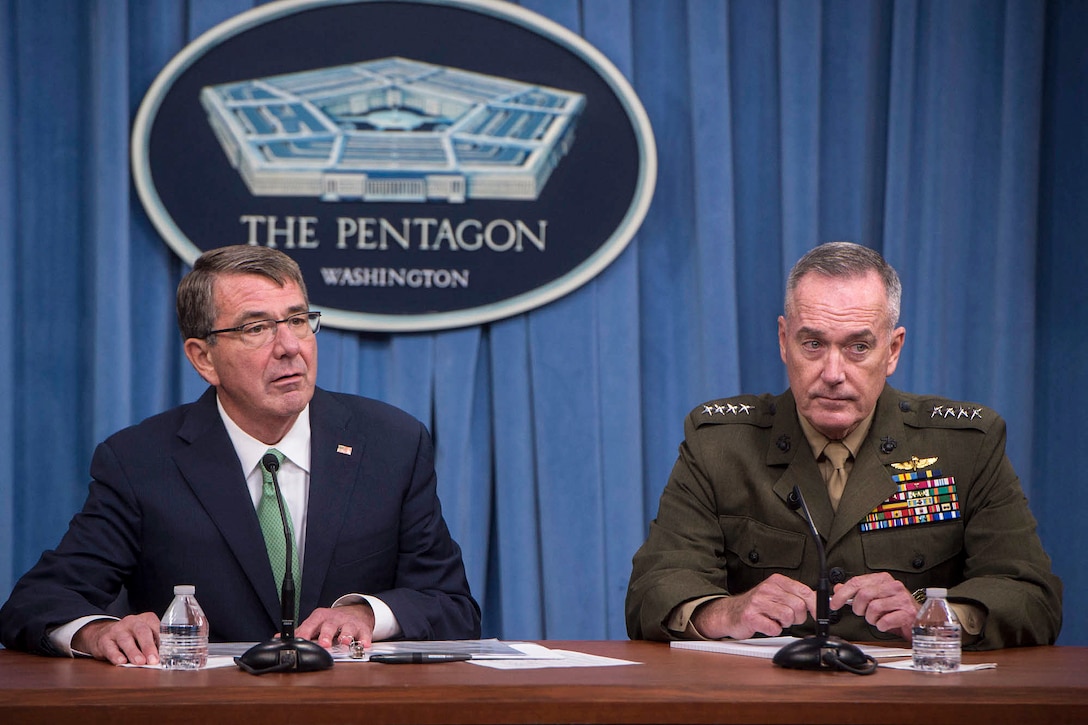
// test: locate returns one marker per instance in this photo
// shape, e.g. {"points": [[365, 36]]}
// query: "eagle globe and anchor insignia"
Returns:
{"points": [[393, 130]]}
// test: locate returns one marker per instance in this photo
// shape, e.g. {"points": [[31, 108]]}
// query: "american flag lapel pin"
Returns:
{"points": [[346, 450]]}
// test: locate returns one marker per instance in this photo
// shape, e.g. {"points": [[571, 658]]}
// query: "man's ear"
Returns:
{"points": [[200, 354], [899, 335], [782, 337]]}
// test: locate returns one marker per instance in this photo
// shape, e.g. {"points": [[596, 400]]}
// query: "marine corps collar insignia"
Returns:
{"points": [[915, 463]]}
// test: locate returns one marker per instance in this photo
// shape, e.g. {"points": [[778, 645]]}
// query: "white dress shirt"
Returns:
{"points": [[294, 480]]}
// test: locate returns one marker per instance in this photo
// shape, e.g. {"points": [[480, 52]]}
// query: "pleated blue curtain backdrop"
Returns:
{"points": [[948, 135]]}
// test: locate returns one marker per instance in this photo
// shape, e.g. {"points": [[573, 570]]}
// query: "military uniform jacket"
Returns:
{"points": [[723, 523]]}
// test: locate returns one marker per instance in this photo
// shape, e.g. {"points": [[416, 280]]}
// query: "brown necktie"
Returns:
{"points": [[837, 453]]}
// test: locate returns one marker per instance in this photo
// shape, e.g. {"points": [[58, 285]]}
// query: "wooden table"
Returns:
{"points": [[1029, 686]]}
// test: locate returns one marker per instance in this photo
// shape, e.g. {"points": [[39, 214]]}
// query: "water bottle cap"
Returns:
{"points": [[936, 593], [183, 589]]}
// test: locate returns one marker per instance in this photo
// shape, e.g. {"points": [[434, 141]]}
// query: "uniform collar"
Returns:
{"points": [[818, 440]]}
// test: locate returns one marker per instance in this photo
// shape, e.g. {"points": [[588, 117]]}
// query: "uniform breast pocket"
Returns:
{"points": [[915, 549], [754, 544]]}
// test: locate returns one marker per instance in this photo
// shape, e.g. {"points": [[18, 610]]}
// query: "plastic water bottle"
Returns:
{"points": [[183, 632], [936, 634]]}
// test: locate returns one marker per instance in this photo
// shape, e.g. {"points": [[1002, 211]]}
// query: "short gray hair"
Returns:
{"points": [[196, 299], [846, 259]]}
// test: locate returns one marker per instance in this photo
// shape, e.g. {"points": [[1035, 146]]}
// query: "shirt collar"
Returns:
{"points": [[295, 444], [853, 442]]}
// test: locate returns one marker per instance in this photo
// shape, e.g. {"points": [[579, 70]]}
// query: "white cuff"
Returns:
{"points": [[386, 625], [61, 636]]}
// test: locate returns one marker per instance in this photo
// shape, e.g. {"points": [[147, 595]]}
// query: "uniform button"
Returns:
{"points": [[918, 562], [838, 576], [753, 556]]}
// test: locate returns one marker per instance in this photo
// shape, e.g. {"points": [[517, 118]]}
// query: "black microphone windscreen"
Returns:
{"points": [[270, 463]]}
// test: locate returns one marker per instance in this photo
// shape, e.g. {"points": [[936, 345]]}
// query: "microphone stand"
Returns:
{"points": [[286, 654], [821, 651]]}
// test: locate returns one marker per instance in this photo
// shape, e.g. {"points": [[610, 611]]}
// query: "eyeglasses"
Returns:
{"points": [[261, 332]]}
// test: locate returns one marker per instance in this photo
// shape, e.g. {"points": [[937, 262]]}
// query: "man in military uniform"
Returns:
{"points": [[909, 492]]}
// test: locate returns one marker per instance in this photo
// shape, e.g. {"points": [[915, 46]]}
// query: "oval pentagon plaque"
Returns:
{"points": [[428, 164]]}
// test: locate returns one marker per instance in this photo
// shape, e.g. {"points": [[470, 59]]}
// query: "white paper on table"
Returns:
{"points": [[556, 658], [909, 665], [213, 663], [532, 651], [488, 653], [767, 647], [476, 649]]}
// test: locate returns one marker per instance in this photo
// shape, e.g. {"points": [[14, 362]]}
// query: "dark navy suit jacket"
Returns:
{"points": [[169, 505]]}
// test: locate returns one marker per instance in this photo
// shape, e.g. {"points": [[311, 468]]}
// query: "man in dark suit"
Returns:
{"points": [[922, 496], [175, 499]]}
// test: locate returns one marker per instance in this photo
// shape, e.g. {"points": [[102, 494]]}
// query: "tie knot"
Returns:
{"points": [[272, 452], [265, 473], [837, 453]]}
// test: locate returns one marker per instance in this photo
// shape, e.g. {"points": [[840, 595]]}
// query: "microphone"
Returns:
{"points": [[821, 651], [286, 654]]}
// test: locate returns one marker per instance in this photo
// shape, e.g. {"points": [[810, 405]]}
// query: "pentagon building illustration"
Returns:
{"points": [[393, 130]]}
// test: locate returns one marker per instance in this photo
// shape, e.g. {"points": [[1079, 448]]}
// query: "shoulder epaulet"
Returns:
{"points": [[747, 409], [931, 412]]}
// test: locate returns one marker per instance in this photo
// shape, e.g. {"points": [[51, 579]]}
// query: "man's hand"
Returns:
{"points": [[133, 639], [772, 605], [339, 625], [881, 599]]}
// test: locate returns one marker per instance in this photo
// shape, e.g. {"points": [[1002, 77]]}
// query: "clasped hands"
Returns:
{"points": [[135, 638], [779, 602]]}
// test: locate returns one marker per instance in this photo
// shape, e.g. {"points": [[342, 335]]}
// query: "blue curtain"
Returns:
{"points": [[948, 135]]}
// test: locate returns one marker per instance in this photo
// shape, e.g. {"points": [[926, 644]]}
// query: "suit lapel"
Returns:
{"points": [[209, 465], [336, 453]]}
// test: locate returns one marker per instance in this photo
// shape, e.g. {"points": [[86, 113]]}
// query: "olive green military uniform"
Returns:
{"points": [[723, 524]]}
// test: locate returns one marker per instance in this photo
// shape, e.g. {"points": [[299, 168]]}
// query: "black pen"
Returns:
{"points": [[417, 658]]}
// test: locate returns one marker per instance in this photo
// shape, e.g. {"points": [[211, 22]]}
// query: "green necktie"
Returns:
{"points": [[268, 513]]}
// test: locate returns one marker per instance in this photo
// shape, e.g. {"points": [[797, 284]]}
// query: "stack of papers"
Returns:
{"points": [[475, 648], [491, 653], [766, 647], [494, 654]]}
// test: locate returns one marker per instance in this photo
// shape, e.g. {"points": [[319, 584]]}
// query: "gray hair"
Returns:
{"points": [[196, 299], [846, 259]]}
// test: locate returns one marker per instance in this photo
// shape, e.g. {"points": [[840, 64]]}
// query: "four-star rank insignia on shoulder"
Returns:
{"points": [[728, 408], [956, 411], [743, 409]]}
